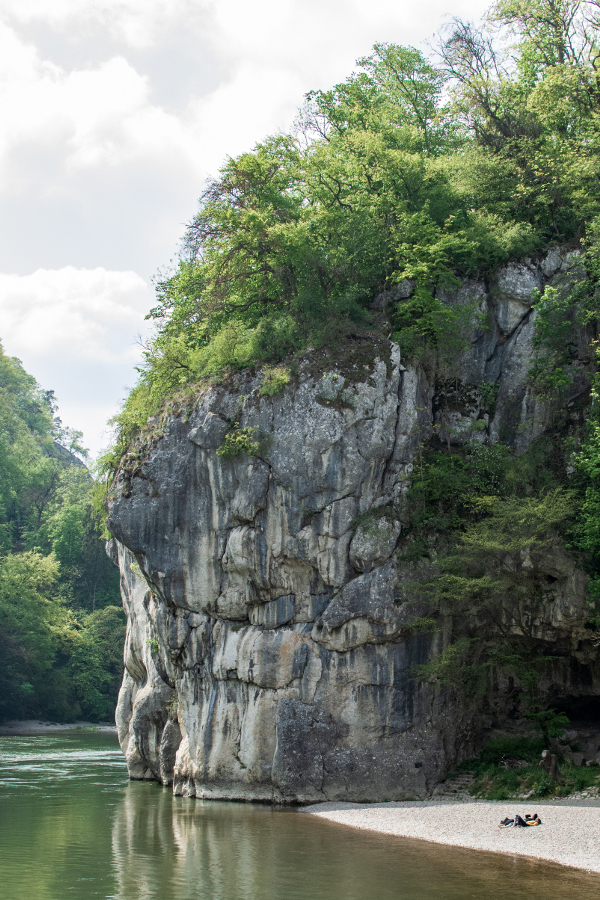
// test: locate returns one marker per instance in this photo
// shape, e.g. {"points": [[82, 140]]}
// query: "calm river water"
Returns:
{"points": [[72, 827]]}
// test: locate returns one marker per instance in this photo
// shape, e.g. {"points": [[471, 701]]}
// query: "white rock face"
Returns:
{"points": [[270, 654]]}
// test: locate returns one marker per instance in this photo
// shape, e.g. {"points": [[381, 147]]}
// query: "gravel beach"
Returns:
{"points": [[569, 835]]}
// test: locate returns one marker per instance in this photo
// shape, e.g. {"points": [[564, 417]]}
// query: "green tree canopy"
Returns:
{"points": [[414, 169], [57, 586]]}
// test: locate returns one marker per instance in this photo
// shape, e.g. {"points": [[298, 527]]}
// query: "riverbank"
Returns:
{"points": [[569, 835], [22, 728]]}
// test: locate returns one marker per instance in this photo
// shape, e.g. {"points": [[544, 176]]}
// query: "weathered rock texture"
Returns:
{"points": [[269, 652]]}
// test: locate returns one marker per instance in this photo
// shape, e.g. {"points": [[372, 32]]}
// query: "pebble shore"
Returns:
{"points": [[569, 835]]}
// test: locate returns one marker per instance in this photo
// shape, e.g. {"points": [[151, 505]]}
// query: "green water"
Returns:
{"points": [[73, 826]]}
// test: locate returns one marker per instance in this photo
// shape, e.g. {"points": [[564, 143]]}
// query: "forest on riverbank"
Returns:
{"points": [[62, 627]]}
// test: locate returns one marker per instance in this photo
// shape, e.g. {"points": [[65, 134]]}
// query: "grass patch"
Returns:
{"points": [[494, 781]]}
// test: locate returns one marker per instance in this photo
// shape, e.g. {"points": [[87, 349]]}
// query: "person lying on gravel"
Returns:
{"points": [[518, 822], [533, 820]]}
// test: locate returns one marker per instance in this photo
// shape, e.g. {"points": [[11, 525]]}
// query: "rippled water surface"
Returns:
{"points": [[73, 826]]}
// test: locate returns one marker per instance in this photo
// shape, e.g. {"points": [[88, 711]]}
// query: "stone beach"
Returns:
{"points": [[569, 834]]}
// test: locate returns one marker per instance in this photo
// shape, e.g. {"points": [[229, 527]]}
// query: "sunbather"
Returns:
{"points": [[533, 820], [518, 822]]}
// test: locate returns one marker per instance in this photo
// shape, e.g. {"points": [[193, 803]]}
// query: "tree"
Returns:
{"points": [[33, 623], [53, 568], [96, 664], [68, 528], [396, 93], [552, 32], [492, 584]]}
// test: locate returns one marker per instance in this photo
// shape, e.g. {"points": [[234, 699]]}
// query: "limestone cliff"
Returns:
{"points": [[270, 654]]}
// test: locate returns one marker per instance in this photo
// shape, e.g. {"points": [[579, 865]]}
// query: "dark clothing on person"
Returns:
{"points": [[533, 820], [518, 822]]}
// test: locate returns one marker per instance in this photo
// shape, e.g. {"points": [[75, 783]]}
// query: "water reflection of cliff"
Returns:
{"points": [[168, 848]]}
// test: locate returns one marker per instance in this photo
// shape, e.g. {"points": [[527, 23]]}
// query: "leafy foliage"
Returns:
{"points": [[411, 171], [383, 181], [528, 749], [96, 663], [493, 571], [61, 636], [495, 780], [237, 441], [449, 487], [275, 379], [586, 531], [489, 522]]}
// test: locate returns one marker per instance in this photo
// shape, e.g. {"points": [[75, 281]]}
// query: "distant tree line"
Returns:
{"points": [[62, 627]]}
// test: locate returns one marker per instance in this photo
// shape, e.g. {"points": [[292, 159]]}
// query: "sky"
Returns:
{"points": [[113, 113]]}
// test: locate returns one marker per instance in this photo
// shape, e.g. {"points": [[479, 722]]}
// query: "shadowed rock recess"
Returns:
{"points": [[269, 651]]}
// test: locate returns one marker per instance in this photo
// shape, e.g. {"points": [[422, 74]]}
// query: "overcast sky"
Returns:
{"points": [[113, 113]]}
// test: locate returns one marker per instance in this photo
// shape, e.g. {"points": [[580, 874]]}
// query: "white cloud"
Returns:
{"points": [[104, 115], [137, 22], [76, 331], [90, 118], [90, 314], [90, 418]]}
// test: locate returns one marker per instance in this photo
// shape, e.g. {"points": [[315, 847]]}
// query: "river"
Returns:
{"points": [[72, 827]]}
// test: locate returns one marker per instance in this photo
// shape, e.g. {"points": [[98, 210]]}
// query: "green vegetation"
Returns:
{"points": [[237, 441], [410, 174], [586, 532], [492, 525], [509, 767], [275, 379], [62, 634]]}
